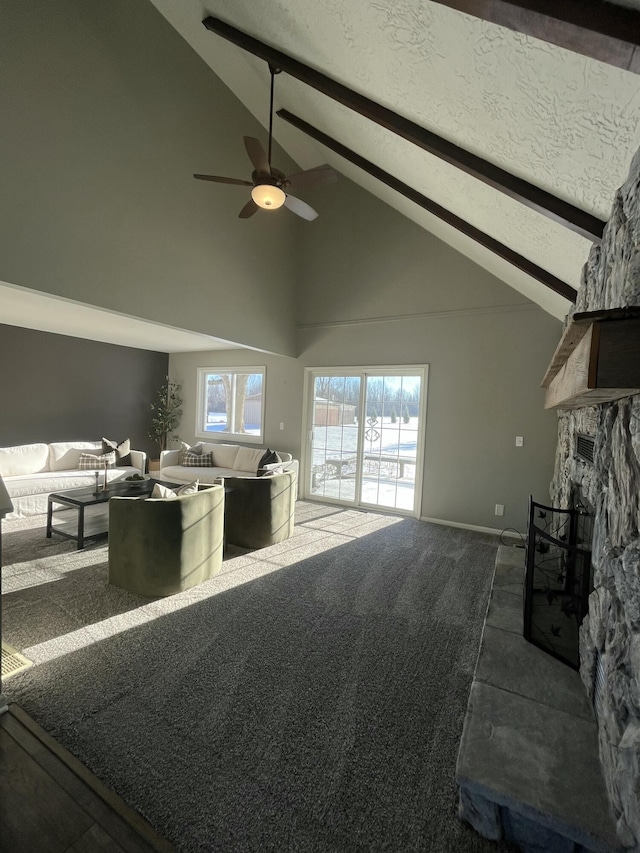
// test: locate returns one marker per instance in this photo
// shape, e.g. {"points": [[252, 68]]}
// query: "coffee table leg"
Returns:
{"points": [[49, 517], [80, 528]]}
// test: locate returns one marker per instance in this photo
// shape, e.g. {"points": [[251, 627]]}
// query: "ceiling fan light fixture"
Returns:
{"points": [[268, 196]]}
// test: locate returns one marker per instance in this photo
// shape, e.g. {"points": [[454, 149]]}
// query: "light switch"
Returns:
{"points": [[519, 441]]}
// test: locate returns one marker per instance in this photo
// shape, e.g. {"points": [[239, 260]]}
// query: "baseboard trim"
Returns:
{"points": [[496, 531]]}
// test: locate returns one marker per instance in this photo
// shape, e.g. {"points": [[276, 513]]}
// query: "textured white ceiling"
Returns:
{"points": [[558, 119]]}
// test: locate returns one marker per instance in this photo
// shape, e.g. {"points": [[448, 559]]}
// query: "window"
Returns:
{"points": [[231, 403]]}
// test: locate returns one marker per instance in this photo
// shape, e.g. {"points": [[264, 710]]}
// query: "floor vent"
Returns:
{"points": [[585, 447], [13, 662]]}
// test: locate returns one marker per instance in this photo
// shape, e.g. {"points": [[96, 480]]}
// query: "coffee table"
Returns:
{"points": [[97, 525]]}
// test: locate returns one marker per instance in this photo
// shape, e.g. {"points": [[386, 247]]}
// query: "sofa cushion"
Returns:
{"points": [[64, 455], [180, 474], [58, 481], [224, 455], [122, 449], [248, 459], [23, 459], [29, 492]]}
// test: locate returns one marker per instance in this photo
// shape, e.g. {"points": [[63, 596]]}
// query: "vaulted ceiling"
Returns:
{"points": [[560, 120]]}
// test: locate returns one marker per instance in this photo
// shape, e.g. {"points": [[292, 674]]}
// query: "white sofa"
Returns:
{"points": [[229, 460], [32, 471]]}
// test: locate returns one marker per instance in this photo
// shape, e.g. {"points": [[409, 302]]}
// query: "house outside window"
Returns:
{"points": [[231, 403]]}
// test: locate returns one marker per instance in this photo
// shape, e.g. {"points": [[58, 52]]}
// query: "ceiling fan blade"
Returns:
{"points": [[257, 155], [301, 208], [248, 210], [218, 180], [312, 177]]}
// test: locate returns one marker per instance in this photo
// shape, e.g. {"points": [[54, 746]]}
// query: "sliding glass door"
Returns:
{"points": [[388, 474], [335, 406], [365, 435]]}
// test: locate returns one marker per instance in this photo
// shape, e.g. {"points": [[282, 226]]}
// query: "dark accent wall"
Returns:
{"points": [[58, 388]]}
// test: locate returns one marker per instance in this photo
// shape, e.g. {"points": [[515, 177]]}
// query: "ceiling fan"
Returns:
{"points": [[270, 186]]}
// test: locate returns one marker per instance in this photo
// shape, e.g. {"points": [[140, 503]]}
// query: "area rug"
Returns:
{"points": [[309, 698]]}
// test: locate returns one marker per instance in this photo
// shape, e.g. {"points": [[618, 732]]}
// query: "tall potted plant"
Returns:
{"points": [[167, 413]]}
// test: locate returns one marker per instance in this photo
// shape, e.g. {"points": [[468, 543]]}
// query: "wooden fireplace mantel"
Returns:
{"points": [[596, 361]]}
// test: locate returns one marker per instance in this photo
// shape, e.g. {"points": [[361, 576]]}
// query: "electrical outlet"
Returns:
{"points": [[499, 509], [519, 441]]}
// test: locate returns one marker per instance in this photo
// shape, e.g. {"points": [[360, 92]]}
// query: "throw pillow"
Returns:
{"points": [[188, 488], [160, 491], [122, 449], [91, 462], [186, 448], [197, 460], [270, 457], [271, 471]]}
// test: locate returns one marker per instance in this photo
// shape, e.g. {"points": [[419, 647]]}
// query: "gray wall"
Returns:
{"points": [[377, 290], [363, 260], [283, 393], [57, 388], [484, 376], [106, 114]]}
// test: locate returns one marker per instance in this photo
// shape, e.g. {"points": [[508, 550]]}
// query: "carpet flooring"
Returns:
{"points": [[309, 698]]}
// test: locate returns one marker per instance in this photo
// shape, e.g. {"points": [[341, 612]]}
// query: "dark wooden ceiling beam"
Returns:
{"points": [[594, 28], [537, 199], [519, 261]]}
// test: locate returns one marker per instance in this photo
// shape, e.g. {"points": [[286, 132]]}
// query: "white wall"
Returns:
{"points": [[106, 114]]}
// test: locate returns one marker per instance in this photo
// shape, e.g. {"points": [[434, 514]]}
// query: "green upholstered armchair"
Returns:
{"points": [[259, 511], [162, 546]]}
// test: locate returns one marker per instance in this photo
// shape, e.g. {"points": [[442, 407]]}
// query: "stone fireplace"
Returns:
{"points": [[610, 634]]}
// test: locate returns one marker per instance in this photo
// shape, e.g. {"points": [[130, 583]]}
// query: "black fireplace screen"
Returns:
{"points": [[558, 579]]}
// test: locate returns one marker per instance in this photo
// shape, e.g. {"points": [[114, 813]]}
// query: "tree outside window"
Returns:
{"points": [[231, 403]]}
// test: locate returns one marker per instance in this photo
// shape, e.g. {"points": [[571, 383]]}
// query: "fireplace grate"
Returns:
{"points": [[585, 447], [558, 580]]}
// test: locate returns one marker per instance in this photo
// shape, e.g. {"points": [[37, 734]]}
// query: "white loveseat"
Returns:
{"points": [[32, 471], [229, 460]]}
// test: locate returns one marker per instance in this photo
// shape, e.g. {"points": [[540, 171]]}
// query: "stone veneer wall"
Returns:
{"points": [[611, 279]]}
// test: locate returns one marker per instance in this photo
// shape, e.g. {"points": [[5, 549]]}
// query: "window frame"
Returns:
{"points": [[201, 404]]}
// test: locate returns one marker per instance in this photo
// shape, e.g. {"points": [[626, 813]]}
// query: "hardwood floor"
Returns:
{"points": [[51, 803]]}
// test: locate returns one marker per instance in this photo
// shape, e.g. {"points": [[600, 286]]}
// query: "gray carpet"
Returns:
{"points": [[309, 698]]}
